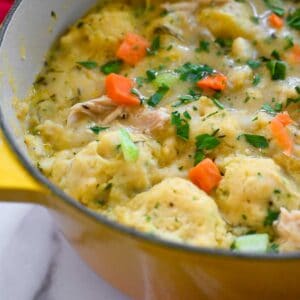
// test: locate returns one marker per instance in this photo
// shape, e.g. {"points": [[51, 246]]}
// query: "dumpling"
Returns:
{"points": [[251, 187], [177, 209], [231, 20]]}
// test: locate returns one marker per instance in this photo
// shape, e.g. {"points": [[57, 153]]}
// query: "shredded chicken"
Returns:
{"points": [[101, 110], [288, 228], [171, 30], [148, 120], [104, 111], [184, 10], [190, 6]]}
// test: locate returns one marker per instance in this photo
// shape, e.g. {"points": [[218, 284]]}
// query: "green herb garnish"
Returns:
{"points": [[90, 65], [151, 74], [293, 19], [203, 46], [217, 103], [155, 46], [272, 110], [205, 142], [256, 79], [277, 69], [275, 54], [97, 129], [256, 141], [276, 6], [113, 66], [253, 64], [158, 96], [271, 217], [194, 72], [139, 81], [182, 126], [224, 43]]}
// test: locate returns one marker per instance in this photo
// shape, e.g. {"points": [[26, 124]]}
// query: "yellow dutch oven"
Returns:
{"points": [[143, 266]]}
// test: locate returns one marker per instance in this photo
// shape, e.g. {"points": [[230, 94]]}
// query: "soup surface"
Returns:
{"points": [[179, 119]]}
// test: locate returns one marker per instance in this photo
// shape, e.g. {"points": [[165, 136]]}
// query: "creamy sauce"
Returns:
{"points": [[79, 146]]}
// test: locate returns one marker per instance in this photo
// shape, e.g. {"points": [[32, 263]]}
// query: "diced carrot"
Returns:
{"points": [[294, 55], [282, 136], [133, 49], [206, 175], [217, 82], [275, 21], [284, 118], [118, 89]]}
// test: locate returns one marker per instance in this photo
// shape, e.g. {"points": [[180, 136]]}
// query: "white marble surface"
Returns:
{"points": [[36, 263]]}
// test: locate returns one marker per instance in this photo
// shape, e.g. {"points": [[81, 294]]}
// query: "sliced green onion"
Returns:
{"points": [[257, 243], [166, 78], [129, 149]]}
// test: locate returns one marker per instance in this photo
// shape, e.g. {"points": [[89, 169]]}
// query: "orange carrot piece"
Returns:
{"points": [[282, 136], [275, 21], [284, 118], [133, 49], [294, 55], [217, 82], [118, 89], [206, 175]]}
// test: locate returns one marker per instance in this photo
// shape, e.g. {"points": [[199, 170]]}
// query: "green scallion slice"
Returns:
{"points": [[129, 149]]}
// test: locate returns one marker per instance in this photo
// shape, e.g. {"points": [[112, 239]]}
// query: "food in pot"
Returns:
{"points": [[179, 119]]}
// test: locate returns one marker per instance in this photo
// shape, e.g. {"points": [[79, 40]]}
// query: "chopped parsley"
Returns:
{"points": [[289, 42], [271, 217], [224, 43], [155, 46], [293, 19], [277, 69], [194, 72], [253, 64], [187, 115], [217, 103], [256, 79], [276, 6], [272, 110], [291, 100], [97, 129], [275, 54], [203, 46], [113, 66], [256, 141], [139, 81], [158, 96], [204, 143], [90, 65], [151, 74], [182, 126]]}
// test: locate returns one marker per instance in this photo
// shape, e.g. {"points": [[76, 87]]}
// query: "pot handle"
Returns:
{"points": [[16, 184]]}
